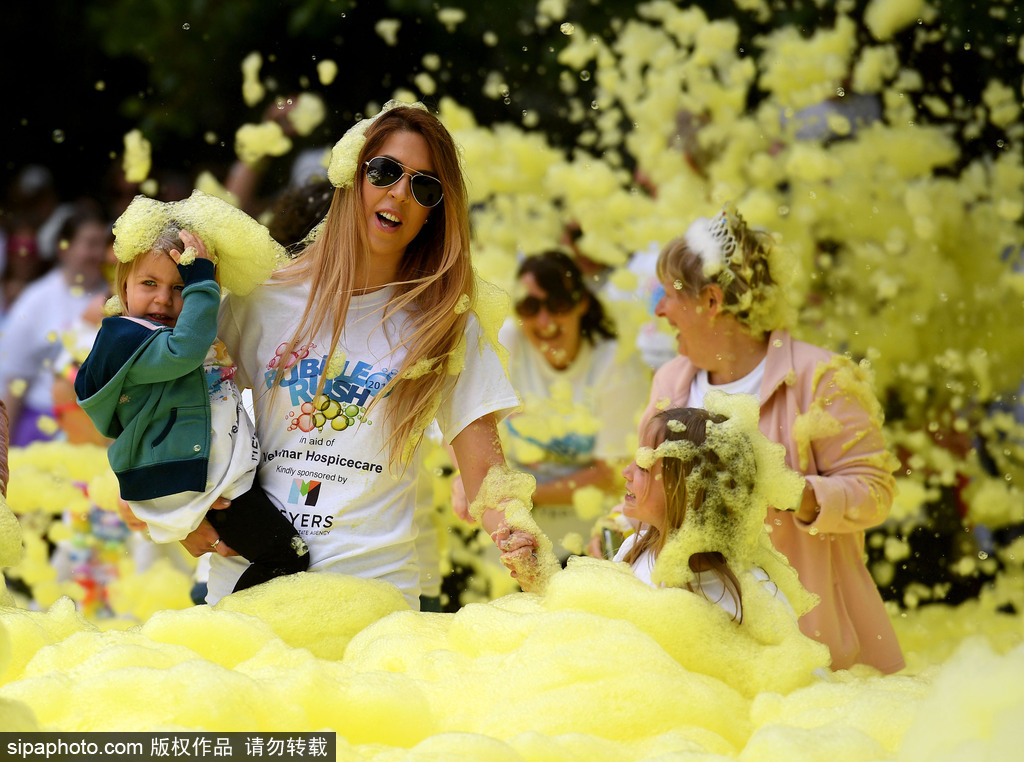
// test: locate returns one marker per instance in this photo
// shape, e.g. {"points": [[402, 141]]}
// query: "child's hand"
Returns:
{"points": [[519, 554], [193, 245]]}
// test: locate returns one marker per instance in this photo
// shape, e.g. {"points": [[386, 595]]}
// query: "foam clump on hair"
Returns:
{"points": [[245, 253], [342, 169], [749, 477]]}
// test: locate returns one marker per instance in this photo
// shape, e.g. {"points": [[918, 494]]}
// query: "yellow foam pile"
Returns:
{"points": [[599, 667]]}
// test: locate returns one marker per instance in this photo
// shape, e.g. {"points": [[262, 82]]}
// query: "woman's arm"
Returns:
{"points": [[477, 449], [853, 488]]}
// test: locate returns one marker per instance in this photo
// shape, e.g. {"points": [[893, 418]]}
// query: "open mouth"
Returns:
{"points": [[548, 332], [157, 317], [388, 220]]}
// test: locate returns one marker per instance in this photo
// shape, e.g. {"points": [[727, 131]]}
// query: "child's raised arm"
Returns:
{"points": [[191, 241]]}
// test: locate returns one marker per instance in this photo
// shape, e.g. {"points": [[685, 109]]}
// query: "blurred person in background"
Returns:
{"points": [[30, 336]]}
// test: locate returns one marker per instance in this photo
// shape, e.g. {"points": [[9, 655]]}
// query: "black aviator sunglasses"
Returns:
{"points": [[529, 306], [383, 172]]}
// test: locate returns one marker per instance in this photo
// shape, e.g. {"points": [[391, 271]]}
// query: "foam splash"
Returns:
{"points": [[137, 157], [245, 253], [254, 141]]}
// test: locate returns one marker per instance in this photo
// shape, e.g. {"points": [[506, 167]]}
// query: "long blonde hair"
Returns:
{"points": [[683, 494], [434, 276]]}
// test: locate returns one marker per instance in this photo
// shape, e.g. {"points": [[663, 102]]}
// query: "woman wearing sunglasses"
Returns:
{"points": [[580, 397], [357, 345]]}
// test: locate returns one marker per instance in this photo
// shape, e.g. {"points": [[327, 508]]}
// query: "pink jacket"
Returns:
{"points": [[849, 474]]}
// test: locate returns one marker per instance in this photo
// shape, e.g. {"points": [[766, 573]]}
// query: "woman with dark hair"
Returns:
{"points": [[580, 393]]}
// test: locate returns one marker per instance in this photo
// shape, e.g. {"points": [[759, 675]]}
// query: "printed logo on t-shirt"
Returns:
{"points": [[344, 398], [303, 492], [219, 368]]}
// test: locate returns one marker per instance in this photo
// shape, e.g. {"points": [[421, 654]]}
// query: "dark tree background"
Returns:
{"points": [[78, 74]]}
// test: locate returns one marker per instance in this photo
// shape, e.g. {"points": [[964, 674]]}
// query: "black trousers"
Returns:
{"points": [[260, 533]]}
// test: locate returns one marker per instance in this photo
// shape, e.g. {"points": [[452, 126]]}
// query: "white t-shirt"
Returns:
{"points": [[234, 457], [327, 470], [596, 423], [749, 384], [570, 417], [30, 340], [708, 584]]}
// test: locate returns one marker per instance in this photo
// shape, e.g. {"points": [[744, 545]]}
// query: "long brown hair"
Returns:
{"points": [[685, 495], [434, 275]]}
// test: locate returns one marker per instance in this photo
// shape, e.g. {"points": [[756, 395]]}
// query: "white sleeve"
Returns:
{"points": [[619, 399], [482, 387], [229, 333]]}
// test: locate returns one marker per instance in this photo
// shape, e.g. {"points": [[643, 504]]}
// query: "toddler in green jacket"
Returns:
{"points": [[160, 384]]}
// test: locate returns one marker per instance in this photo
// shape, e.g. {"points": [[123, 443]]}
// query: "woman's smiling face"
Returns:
{"points": [[393, 217], [557, 335]]}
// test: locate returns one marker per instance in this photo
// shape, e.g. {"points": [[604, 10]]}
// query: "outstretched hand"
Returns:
{"points": [[518, 554]]}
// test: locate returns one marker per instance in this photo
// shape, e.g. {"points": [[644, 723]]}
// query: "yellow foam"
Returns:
{"points": [[243, 250]]}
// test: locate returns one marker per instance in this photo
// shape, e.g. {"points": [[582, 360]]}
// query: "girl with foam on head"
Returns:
{"points": [[353, 348], [160, 385], [726, 298], [699, 489]]}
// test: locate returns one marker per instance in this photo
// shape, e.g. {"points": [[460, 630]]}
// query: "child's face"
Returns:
{"points": [[645, 494], [153, 290]]}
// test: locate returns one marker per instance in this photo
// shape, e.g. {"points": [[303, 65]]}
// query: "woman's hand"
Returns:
{"points": [[808, 509], [130, 520], [518, 554], [205, 539]]}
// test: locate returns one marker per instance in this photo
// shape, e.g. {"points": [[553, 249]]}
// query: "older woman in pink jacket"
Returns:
{"points": [[729, 311]]}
